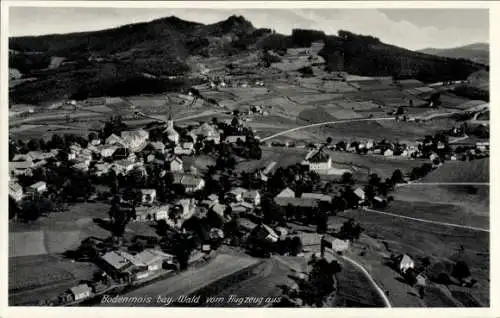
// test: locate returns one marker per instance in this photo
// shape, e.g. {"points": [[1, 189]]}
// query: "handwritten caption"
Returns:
{"points": [[159, 300]]}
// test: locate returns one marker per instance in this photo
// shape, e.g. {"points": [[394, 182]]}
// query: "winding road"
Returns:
{"points": [[428, 221], [372, 281], [399, 185], [325, 123]]}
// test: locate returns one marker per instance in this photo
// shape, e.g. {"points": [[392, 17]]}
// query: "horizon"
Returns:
{"points": [[414, 29]]}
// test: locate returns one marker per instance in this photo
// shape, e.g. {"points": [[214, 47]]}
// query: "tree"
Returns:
{"points": [[397, 176], [347, 178], [13, 208], [329, 140], [34, 144], [295, 246], [461, 270]]}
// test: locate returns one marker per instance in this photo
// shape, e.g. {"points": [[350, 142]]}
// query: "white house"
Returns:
{"points": [[176, 165], [191, 183], [81, 291], [389, 153], [15, 191], [360, 193], [135, 139], [252, 197], [406, 263], [148, 196], [37, 188], [108, 151], [286, 193], [187, 148], [187, 207], [237, 193]]}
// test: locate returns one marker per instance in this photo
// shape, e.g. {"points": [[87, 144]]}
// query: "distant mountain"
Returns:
{"points": [[477, 52], [112, 62]]}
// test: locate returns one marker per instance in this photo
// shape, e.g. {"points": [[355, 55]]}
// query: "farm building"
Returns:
{"points": [[333, 243], [405, 263], [15, 191], [115, 140], [252, 197], [360, 193], [234, 139], [241, 207], [145, 214], [191, 183], [148, 196], [176, 165], [81, 291], [187, 148], [123, 166], [207, 131], [135, 139], [37, 188], [157, 146], [236, 194], [317, 196], [286, 193], [218, 208], [187, 208], [114, 263]]}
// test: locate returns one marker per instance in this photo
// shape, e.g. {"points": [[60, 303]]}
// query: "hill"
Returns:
{"points": [[477, 52], [114, 61], [461, 171]]}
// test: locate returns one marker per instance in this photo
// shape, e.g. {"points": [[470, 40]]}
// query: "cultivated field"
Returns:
{"points": [[461, 171]]}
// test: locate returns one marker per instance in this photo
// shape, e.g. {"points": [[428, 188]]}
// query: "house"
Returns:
{"points": [[37, 188], [433, 156], [187, 148], [101, 169], [187, 208], [282, 232], [334, 243], [304, 203], [176, 165], [95, 142], [114, 263], [81, 291], [246, 225], [148, 196], [15, 191], [234, 139], [286, 193], [360, 193], [218, 208], [38, 155], [108, 151], [191, 183], [115, 140], [236, 194], [252, 197], [207, 131], [22, 158], [123, 166], [388, 153], [81, 166], [405, 263], [318, 161], [241, 207], [157, 146], [264, 232], [317, 196], [136, 140], [153, 259], [21, 168], [379, 201]]}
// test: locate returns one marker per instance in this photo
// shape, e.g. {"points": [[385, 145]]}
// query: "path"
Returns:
{"points": [[429, 221], [372, 281], [442, 184], [325, 123]]}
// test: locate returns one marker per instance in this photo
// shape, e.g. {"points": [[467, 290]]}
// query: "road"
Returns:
{"points": [[372, 281], [428, 221], [399, 185], [191, 280], [325, 123]]}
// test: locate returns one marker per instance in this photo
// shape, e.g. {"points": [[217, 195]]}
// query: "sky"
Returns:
{"points": [[409, 28]]}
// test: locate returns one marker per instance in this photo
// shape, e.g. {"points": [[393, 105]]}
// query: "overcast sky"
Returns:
{"points": [[409, 28]]}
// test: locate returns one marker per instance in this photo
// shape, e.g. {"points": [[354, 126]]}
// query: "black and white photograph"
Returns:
{"points": [[247, 157]]}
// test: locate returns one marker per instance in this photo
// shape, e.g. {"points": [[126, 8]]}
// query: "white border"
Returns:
{"points": [[493, 311]]}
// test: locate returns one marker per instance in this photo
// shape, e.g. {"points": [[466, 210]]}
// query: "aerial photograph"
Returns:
{"points": [[231, 157]]}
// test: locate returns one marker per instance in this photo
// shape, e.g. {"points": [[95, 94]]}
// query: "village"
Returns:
{"points": [[148, 181]]}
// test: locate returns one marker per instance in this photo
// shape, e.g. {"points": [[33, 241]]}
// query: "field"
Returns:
{"points": [[435, 241], [34, 277], [283, 157], [461, 171]]}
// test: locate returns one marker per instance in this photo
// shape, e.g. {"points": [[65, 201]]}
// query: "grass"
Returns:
{"points": [[435, 241], [438, 212], [461, 171], [316, 115], [26, 243], [283, 157]]}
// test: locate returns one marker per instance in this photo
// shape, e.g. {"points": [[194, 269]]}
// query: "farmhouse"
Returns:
{"points": [[148, 196], [135, 139], [405, 263], [114, 263], [115, 140], [191, 183], [317, 196], [176, 165], [37, 188], [145, 214], [360, 193], [187, 207], [286, 193], [252, 197], [236, 194], [157, 146], [241, 207], [101, 169], [218, 208], [15, 191], [234, 139], [187, 148], [81, 291], [107, 151], [207, 131], [20, 168]]}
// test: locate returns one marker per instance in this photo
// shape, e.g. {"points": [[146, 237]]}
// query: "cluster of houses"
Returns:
{"points": [[227, 82]]}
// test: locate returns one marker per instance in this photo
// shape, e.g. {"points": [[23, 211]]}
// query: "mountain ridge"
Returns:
{"points": [[476, 52]]}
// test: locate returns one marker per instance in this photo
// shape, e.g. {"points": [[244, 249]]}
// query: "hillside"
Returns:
{"points": [[461, 171], [477, 52], [111, 62]]}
